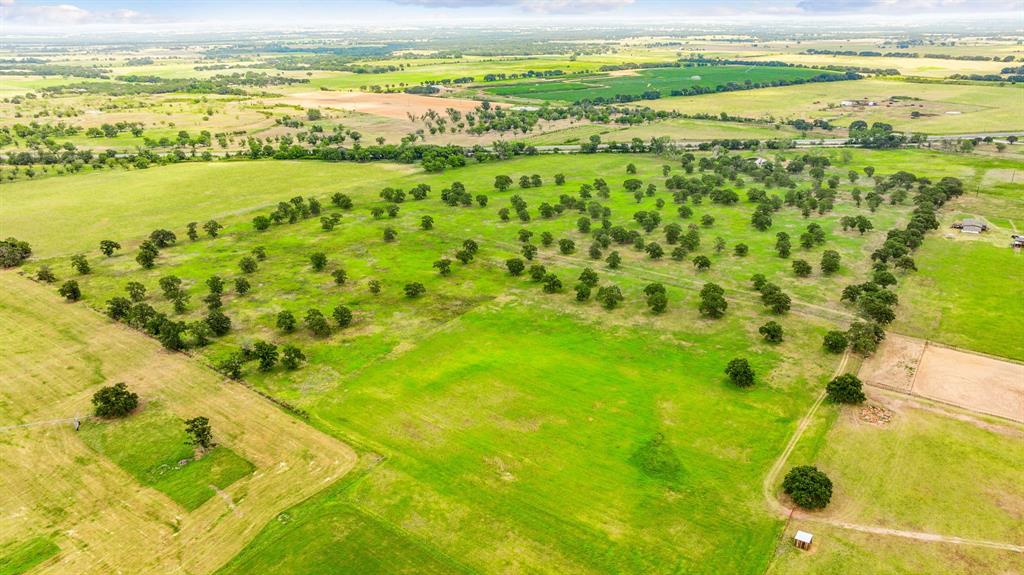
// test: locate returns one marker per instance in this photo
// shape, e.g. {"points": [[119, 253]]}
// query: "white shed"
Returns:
{"points": [[802, 539]]}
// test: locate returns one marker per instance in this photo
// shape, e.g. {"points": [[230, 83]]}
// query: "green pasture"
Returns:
{"points": [[663, 80], [21, 556], [151, 444]]}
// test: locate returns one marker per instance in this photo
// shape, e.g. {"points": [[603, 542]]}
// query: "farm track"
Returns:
{"points": [[779, 508]]}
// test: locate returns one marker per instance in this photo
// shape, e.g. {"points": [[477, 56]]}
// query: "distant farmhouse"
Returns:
{"points": [[852, 103], [970, 226]]}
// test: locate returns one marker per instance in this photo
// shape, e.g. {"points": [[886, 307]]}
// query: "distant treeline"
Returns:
{"points": [[874, 54], [225, 84], [701, 60], [25, 68]]}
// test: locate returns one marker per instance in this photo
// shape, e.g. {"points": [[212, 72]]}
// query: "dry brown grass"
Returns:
{"points": [[51, 483]]}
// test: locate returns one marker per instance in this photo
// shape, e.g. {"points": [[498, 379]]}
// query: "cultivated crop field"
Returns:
{"points": [[636, 82]]}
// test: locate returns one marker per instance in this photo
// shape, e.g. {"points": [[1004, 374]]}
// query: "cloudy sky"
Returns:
{"points": [[76, 16]]}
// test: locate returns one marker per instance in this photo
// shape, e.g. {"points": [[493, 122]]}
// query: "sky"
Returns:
{"points": [[67, 17]]}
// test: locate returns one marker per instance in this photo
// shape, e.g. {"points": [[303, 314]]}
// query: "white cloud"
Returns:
{"points": [[62, 15]]}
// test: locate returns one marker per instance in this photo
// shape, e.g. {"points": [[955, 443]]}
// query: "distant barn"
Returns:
{"points": [[971, 226]]}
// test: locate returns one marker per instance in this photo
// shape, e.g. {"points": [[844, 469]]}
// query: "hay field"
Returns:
{"points": [[54, 486]]}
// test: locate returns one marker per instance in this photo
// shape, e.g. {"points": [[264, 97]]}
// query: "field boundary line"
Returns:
{"points": [[960, 349], [43, 422], [942, 401]]}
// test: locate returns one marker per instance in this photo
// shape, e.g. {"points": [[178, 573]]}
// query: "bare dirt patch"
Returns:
{"points": [[894, 364], [626, 72], [976, 382], [388, 105]]}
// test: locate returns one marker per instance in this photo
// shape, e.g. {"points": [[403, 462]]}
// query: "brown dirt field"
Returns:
{"points": [[627, 72], [894, 364], [976, 382], [387, 105], [103, 520]]}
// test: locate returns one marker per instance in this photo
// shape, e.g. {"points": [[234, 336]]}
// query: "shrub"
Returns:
{"points": [[771, 331], [70, 291], [414, 289], [809, 487]]}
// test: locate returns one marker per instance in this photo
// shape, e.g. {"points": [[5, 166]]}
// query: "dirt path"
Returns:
{"points": [[779, 508]]}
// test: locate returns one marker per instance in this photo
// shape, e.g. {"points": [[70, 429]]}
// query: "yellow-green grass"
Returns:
{"points": [[130, 204], [927, 67], [676, 129], [151, 446], [839, 551], [21, 556], [982, 108], [929, 469], [103, 519]]}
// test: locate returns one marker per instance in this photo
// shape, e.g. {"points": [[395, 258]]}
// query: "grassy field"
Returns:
{"points": [[920, 472], [677, 129], [150, 448], [97, 509], [944, 108], [465, 390], [663, 80], [926, 67], [166, 197]]}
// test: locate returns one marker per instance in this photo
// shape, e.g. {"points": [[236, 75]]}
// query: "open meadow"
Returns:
{"points": [[567, 299]]}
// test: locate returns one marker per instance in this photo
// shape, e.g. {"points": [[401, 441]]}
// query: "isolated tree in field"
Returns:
{"points": [[427, 223], [114, 401], [566, 246], [212, 228], [740, 372], [654, 251], [259, 223], [390, 234], [374, 286], [340, 276], [341, 200], [776, 301], [231, 366], [464, 256], [614, 260], [199, 432], [771, 332], [657, 299], [546, 239], [219, 323], [70, 291], [265, 353], [180, 302], [212, 301], [260, 253], [588, 277], [712, 301], [292, 357], [559, 179], [502, 183], [162, 238], [318, 261], [316, 323], [551, 283], [170, 286], [719, 244], [515, 266], [45, 274], [741, 250], [847, 388], [242, 286], [286, 321], [524, 235], [342, 315], [537, 272], [248, 265], [80, 264], [830, 262], [707, 220], [582, 292], [701, 263], [108, 247], [215, 284], [414, 289], [835, 342], [808, 487], [13, 252], [136, 291], [801, 268], [595, 252], [192, 231], [782, 244], [529, 251], [444, 266], [609, 296], [630, 169], [583, 225]]}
